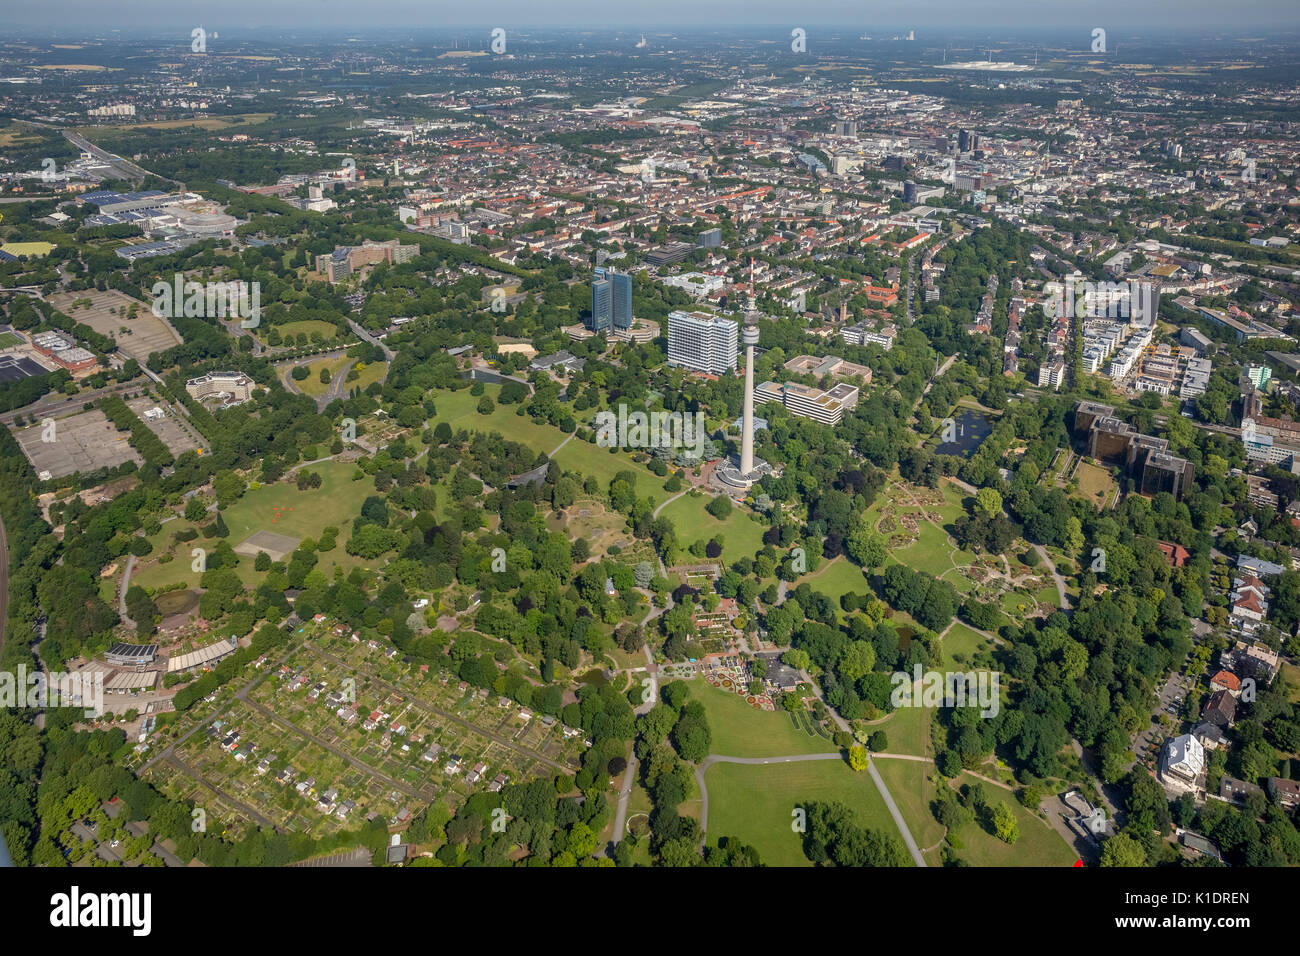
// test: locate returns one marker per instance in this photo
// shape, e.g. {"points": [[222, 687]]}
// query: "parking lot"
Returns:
{"points": [[83, 442], [178, 435], [108, 312]]}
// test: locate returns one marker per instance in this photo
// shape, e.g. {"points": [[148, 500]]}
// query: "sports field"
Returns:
{"points": [[755, 803]]}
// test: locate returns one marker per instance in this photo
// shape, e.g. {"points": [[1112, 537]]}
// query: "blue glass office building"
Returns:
{"points": [[611, 301]]}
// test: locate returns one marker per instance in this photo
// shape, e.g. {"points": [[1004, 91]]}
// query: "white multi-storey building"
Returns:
{"points": [[702, 342]]}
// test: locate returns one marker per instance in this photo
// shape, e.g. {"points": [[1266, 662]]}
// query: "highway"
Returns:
{"points": [[54, 405]]}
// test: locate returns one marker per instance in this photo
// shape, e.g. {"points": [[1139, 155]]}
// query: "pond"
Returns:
{"points": [[970, 428]]}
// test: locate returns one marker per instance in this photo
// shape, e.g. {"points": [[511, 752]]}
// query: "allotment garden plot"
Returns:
{"points": [[340, 731]]}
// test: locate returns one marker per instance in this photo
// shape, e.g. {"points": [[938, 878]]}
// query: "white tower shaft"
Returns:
{"points": [[747, 419]]}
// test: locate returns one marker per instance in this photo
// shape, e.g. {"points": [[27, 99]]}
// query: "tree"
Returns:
{"points": [[719, 507], [194, 509], [989, 501], [858, 759], [1123, 850], [1004, 823], [324, 375], [486, 406], [878, 742], [858, 660], [864, 545]]}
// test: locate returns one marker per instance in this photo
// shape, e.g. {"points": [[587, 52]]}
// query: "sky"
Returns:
{"points": [[1269, 17]]}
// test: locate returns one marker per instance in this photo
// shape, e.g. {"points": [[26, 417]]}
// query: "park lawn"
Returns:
{"points": [[754, 803], [910, 784], [958, 578], [908, 731], [1048, 597], [308, 326], [1094, 483], [336, 502], [8, 340], [960, 639], [932, 551], [591, 460], [742, 537], [312, 385], [368, 375], [742, 731], [1017, 604], [1039, 844], [837, 578], [459, 409], [1291, 674]]}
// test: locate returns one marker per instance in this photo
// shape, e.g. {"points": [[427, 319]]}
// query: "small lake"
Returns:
{"points": [[971, 429]]}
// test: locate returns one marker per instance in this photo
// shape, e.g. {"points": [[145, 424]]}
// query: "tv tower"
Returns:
{"points": [[749, 338]]}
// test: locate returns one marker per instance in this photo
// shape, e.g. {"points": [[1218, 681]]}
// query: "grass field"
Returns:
{"points": [[207, 122], [742, 731], [312, 385], [1291, 674], [336, 502], [27, 248], [910, 785], [308, 326], [1039, 844], [961, 640], [753, 802], [367, 374], [9, 340], [908, 730], [1095, 483], [742, 536], [837, 578], [459, 410]]}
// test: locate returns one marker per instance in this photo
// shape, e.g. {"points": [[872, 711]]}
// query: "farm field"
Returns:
{"points": [[753, 802], [743, 731]]}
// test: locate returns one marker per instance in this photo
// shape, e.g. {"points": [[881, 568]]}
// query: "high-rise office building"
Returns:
{"points": [[702, 342], [909, 191], [611, 301]]}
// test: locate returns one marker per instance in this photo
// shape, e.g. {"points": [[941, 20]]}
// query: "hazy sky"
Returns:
{"points": [[870, 16]]}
